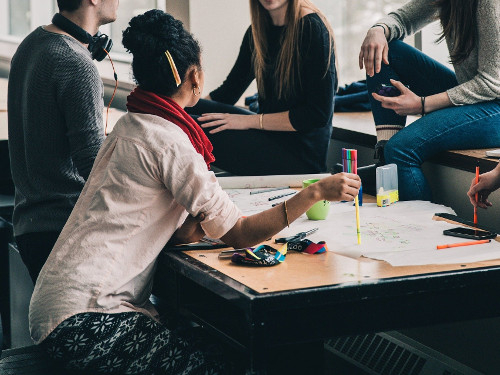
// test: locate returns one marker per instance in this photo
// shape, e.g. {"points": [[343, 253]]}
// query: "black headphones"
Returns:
{"points": [[98, 43]]}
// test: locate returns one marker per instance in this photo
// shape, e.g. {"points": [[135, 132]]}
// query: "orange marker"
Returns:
{"points": [[477, 195], [441, 247]]}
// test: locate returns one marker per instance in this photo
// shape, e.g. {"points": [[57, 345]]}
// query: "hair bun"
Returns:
{"points": [[150, 31], [147, 37]]}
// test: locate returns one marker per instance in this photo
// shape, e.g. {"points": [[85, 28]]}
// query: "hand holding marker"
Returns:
{"points": [[350, 164]]}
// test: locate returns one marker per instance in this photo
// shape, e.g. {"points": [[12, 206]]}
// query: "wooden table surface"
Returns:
{"points": [[308, 271]]}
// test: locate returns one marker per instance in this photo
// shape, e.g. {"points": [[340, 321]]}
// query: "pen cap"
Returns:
{"points": [[387, 178]]}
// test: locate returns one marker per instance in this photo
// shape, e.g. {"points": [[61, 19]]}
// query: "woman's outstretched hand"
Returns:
{"points": [[228, 121]]}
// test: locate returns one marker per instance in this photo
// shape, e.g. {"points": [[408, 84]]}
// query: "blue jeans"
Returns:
{"points": [[453, 128]]}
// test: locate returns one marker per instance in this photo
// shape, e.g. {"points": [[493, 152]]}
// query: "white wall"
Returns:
{"points": [[220, 31]]}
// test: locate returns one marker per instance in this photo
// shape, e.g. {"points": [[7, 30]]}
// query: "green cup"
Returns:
{"points": [[319, 210]]}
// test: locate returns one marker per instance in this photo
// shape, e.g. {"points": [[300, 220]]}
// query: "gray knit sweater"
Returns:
{"points": [[479, 75], [55, 105]]}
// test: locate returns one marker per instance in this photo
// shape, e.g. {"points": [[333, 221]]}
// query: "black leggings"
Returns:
{"points": [[249, 152]]}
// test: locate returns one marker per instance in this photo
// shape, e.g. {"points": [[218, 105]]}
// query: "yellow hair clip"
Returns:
{"points": [[173, 67]]}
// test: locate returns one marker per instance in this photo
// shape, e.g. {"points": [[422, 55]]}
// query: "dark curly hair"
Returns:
{"points": [[147, 37]]}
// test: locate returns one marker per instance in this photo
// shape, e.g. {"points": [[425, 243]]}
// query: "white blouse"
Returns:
{"points": [[145, 180]]}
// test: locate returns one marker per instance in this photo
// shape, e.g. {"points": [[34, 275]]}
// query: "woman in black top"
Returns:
{"points": [[289, 50]]}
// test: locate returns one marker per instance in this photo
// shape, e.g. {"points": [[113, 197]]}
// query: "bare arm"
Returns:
{"points": [[259, 227], [189, 231], [225, 121]]}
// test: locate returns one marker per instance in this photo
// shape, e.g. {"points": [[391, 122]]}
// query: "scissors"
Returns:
{"points": [[295, 237]]}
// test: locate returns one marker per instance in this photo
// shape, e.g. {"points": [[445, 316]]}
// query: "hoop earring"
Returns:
{"points": [[194, 92]]}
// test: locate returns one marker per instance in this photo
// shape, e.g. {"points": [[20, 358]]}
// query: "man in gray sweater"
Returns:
{"points": [[55, 106]]}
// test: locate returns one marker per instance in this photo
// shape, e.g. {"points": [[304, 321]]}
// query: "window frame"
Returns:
{"points": [[40, 13]]}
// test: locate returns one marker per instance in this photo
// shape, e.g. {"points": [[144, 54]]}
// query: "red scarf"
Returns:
{"points": [[141, 101]]}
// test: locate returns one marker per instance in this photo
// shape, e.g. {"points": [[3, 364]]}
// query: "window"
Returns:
{"points": [[350, 20], [19, 17], [126, 11]]}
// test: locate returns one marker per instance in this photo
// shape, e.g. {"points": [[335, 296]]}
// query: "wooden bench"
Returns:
{"points": [[358, 128]]}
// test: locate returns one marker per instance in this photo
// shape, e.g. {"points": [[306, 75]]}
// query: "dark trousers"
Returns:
{"points": [[249, 152], [35, 249]]}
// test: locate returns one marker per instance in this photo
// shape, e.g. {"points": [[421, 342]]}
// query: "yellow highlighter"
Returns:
{"points": [[358, 230]]}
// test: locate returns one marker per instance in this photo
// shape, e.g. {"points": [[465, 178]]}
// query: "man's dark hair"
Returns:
{"points": [[68, 5]]}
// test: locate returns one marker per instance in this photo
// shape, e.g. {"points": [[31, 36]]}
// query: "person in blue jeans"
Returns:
{"points": [[460, 110]]}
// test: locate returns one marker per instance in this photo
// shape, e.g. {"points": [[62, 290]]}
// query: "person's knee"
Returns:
{"points": [[397, 48], [390, 151], [400, 151], [395, 151]]}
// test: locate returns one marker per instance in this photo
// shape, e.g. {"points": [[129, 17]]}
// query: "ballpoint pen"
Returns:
{"points": [[229, 253], [270, 189], [295, 237], [281, 196]]}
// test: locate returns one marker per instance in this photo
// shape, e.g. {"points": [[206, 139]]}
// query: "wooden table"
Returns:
{"points": [[279, 316]]}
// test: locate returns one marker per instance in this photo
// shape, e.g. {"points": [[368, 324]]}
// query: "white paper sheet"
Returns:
{"points": [[248, 182], [402, 234], [251, 204]]}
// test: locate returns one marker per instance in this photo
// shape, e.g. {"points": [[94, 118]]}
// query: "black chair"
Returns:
{"points": [[28, 360]]}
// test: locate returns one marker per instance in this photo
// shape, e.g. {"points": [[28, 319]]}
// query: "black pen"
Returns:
{"points": [[229, 253], [271, 189], [281, 196]]}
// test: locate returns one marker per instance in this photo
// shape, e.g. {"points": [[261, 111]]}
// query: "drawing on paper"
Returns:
{"points": [[383, 230]]}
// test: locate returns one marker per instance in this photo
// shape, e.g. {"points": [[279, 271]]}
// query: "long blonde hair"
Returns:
{"points": [[289, 58]]}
